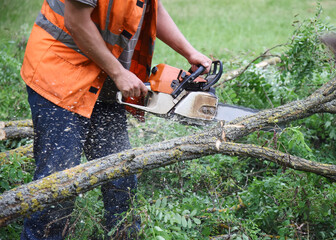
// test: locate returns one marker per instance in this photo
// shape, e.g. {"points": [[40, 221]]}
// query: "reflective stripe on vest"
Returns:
{"points": [[57, 33], [57, 6]]}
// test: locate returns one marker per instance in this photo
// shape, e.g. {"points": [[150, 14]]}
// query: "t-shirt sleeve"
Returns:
{"points": [[92, 3]]}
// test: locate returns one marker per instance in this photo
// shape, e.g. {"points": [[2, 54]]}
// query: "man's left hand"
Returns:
{"points": [[197, 59]]}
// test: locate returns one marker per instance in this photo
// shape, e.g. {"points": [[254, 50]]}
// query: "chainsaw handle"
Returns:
{"points": [[198, 72], [215, 73], [188, 79], [119, 96]]}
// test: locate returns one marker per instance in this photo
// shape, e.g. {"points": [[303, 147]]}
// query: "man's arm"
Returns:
{"points": [[77, 17], [169, 33]]}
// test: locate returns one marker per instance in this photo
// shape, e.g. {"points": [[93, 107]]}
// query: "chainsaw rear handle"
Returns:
{"points": [[215, 73], [155, 102], [119, 96]]}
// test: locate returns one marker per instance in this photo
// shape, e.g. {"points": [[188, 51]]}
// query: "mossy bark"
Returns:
{"points": [[16, 129], [23, 151], [16, 133]]}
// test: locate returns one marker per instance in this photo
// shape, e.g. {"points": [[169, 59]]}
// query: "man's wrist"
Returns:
{"points": [[115, 70]]}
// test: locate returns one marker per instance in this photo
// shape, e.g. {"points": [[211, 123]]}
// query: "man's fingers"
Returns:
{"points": [[137, 92], [125, 94], [144, 90], [130, 85]]}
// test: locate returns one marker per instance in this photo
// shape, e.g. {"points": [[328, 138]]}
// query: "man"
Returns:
{"points": [[78, 51]]}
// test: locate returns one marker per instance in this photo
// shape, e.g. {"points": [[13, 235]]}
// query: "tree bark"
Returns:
{"points": [[16, 129], [18, 123], [16, 132], [36, 195], [23, 151]]}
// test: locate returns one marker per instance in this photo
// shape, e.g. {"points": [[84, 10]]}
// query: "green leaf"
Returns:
{"points": [[164, 202], [158, 203], [184, 222], [178, 218], [189, 223], [160, 216], [245, 237], [193, 213], [185, 212], [165, 219], [197, 221], [157, 228]]}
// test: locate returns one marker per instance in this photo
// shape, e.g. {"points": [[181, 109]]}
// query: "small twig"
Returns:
{"points": [[243, 69], [266, 95]]}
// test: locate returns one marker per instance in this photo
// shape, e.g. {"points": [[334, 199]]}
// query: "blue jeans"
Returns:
{"points": [[59, 140]]}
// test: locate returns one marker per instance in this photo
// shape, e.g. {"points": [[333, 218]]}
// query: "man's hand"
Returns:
{"points": [[129, 84], [197, 59]]}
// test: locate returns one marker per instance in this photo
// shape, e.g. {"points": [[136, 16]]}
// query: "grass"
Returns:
{"points": [[224, 28], [17, 17], [219, 28]]}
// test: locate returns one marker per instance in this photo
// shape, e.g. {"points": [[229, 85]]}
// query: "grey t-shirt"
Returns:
{"points": [[92, 3]]}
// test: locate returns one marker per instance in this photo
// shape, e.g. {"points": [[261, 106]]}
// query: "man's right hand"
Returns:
{"points": [[129, 84]]}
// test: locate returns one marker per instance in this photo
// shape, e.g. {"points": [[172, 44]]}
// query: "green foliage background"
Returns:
{"points": [[251, 198]]}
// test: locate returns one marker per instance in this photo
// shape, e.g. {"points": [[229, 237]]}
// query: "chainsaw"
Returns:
{"points": [[186, 96]]}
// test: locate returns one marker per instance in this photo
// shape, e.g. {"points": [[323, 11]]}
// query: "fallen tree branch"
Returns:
{"points": [[36, 195], [16, 129], [283, 159], [15, 132], [18, 123], [26, 150]]}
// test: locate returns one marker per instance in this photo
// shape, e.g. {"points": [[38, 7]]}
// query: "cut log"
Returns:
{"points": [[16, 133]]}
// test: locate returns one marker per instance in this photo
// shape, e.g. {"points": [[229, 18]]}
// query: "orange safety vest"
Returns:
{"points": [[59, 71]]}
